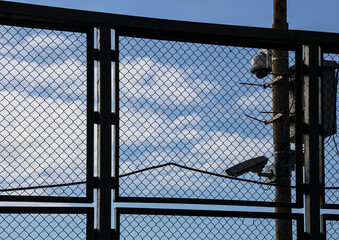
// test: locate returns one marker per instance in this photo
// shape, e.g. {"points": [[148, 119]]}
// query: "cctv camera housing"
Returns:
{"points": [[261, 64], [261, 73], [251, 165]]}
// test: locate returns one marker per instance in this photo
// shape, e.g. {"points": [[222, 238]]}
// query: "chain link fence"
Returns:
{"points": [[330, 226], [27, 224], [330, 112], [330, 122], [176, 224], [332, 230], [190, 111], [43, 101], [198, 123]]}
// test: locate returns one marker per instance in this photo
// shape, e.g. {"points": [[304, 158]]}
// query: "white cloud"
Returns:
{"points": [[58, 80], [163, 83], [187, 139], [141, 78], [43, 140], [259, 100], [230, 149], [28, 42], [43, 114]]}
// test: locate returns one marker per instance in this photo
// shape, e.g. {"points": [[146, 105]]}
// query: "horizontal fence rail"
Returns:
{"points": [[46, 223], [193, 224], [46, 114]]}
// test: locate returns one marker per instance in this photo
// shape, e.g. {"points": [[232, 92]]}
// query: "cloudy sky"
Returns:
{"points": [[181, 105], [183, 86]]}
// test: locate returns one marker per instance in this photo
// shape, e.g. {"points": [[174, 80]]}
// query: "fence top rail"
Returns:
{"points": [[161, 28]]}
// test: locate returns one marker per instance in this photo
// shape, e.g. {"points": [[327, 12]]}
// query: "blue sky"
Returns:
{"points": [[311, 15]]}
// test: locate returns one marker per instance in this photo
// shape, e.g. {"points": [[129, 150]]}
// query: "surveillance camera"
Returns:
{"points": [[252, 165], [261, 64]]}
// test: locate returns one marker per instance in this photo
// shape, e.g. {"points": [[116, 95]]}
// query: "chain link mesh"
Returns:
{"points": [[43, 226], [330, 123], [187, 106], [134, 226], [332, 227], [43, 111]]}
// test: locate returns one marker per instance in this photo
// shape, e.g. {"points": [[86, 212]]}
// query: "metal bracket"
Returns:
{"points": [[96, 234], [96, 119], [254, 118], [114, 118], [269, 174], [96, 55], [273, 81], [96, 183], [306, 189], [276, 117], [114, 55]]}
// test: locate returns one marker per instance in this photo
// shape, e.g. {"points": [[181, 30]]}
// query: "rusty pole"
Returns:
{"points": [[281, 133]]}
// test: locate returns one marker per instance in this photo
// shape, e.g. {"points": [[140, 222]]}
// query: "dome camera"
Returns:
{"points": [[261, 64]]}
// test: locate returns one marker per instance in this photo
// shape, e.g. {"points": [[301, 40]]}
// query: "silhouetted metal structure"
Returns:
{"points": [[65, 73]]}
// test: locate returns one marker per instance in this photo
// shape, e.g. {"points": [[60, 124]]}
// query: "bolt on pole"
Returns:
{"points": [[281, 133]]}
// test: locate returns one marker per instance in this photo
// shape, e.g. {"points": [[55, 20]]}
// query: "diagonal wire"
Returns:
{"points": [[43, 186], [201, 171]]}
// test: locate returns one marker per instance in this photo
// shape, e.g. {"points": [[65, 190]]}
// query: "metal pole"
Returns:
{"points": [[104, 133], [281, 132], [313, 141]]}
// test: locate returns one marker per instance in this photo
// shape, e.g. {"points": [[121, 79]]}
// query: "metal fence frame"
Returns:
{"points": [[63, 19], [236, 42], [27, 15], [56, 210], [89, 103], [205, 213]]}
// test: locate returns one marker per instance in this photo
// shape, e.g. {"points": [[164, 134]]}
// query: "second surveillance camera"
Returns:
{"points": [[261, 64], [252, 165]]}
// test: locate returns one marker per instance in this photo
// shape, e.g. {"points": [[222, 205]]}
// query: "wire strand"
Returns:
{"points": [[151, 168], [43, 186], [201, 171]]}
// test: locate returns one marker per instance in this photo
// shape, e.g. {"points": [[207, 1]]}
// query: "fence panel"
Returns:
{"points": [[190, 111], [193, 224], [46, 128], [46, 223], [330, 226], [330, 123]]}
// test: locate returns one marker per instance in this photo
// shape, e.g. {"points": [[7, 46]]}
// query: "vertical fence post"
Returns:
{"points": [[104, 133], [313, 143]]}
